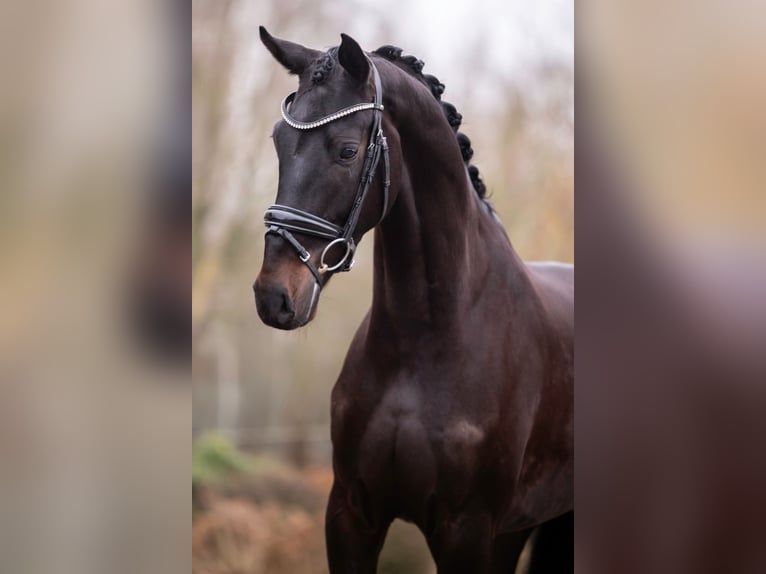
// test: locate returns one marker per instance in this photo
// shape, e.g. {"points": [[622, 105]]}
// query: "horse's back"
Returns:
{"points": [[554, 284], [556, 275]]}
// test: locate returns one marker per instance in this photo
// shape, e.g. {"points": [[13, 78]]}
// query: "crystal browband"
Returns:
{"points": [[299, 125]]}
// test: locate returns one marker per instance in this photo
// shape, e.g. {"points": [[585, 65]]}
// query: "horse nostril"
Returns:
{"points": [[274, 304], [287, 311]]}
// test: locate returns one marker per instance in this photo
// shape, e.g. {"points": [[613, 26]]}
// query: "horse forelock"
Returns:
{"points": [[322, 68]]}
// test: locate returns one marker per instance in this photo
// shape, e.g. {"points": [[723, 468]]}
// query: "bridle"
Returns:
{"points": [[283, 220]]}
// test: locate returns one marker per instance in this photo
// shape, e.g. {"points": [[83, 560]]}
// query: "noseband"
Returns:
{"points": [[283, 220]]}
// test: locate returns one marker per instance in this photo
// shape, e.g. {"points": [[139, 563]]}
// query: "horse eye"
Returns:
{"points": [[347, 152]]}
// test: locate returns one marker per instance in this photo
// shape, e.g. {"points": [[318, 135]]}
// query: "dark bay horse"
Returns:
{"points": [[454, 406]]}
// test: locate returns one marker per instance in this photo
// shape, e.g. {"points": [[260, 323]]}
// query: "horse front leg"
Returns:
{"points": [[354, 540], [463, 544], [553, 547], [506, 550]]}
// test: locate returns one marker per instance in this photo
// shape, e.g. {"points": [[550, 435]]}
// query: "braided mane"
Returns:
{"points": [[415, 67]]}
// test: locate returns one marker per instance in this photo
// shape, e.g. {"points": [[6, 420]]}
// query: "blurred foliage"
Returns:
{"points": [[238, 537], [214, 458], [219, 469], [254, 514]]}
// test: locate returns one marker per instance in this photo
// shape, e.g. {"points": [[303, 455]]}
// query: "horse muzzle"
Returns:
{"points": [[278, 308]]}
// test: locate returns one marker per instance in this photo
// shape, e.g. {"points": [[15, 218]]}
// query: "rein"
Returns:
{"points": [[283, 220]]}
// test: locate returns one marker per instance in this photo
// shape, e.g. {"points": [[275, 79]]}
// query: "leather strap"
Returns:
{"points": [[301, 221], [371, 162], [299, 125], [303, 254]]}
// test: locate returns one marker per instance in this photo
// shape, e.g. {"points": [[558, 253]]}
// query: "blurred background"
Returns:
{"points": [[95, 245], [261, 396], [671, 281], [98, 256]]}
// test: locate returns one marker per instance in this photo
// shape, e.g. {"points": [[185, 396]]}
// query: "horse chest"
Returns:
{"points": [[406, 447]]}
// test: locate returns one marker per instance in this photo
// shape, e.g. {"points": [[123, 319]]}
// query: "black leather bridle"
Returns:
{"points": [[283, 220]]}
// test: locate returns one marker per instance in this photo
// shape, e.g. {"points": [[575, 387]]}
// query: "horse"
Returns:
{"points": [[454, 406]]}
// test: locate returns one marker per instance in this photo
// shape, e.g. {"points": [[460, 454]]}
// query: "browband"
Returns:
{"points": [[299, 125]]}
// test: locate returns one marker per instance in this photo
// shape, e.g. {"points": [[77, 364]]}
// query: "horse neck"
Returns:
{"points": [[430, 255]]}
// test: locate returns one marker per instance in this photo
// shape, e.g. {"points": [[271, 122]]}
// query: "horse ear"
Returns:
{"points": [[294, 57], [353, 60]]}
